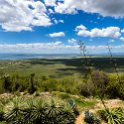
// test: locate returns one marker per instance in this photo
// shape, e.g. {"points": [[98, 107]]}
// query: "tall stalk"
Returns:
{"points": [[83, 52], [115, 67]]}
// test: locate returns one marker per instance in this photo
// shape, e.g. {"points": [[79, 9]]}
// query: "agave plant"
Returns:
{"points": [[68, 114], [74, 107], [38, 111], [28, 111], [1, 112], [89, 117], [38, 115], [53, 110], [13, 111], [113, 116]]}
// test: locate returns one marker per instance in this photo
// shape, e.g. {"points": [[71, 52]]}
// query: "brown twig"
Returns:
{"points": [[83, 51], [115, 68]]}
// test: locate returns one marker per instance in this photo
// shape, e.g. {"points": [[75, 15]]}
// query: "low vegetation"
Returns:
{"points": [[22, 110], [107, 84], [113, 116], [71, 89]]}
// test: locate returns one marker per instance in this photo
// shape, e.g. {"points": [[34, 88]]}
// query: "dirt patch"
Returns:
{"points": [[113, 103]]}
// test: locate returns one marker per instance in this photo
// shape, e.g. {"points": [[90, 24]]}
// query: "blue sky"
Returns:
{"points": [[56, 26]]}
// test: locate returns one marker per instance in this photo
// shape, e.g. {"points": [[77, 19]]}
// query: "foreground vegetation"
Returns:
{"points": [[22, 110], [56, 108], [66, 79]]}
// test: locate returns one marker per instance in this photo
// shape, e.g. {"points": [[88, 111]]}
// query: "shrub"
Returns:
{"points": [[114, 89], [39, 111], [32, 87], [100, 80], [113, 116], [87, 89], [90, 118], [7, 83]]}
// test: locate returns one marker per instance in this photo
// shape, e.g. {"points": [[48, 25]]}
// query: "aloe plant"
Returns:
{"points": [[13, 111], [38, 111], [1, 112], [113, 116]]}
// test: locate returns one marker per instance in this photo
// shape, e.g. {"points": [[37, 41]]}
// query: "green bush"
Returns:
{"points": [[87, 89], [100, 80], [113, 116], [38, 111], [114, 89], [32, 87], [106, 85]]}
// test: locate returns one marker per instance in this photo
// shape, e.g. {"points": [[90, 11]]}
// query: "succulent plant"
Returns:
{"points": [[113, 116], [38, 111]]}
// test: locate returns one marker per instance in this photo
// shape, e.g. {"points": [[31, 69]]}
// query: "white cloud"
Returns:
{"points": [[18, 15], [113, 8], [50, 11], [50, 2], [122, 30], [111, 41], [113, 32], [62, 21], [80, 27], [67, 7], [57, 34], [58, 21], [41, 47], [122, 38], [55, 47], [72, 41]]}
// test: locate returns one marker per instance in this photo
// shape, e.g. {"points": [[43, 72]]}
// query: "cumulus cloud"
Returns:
{"points": [[103, 7], [58, 21], [72, 41], [50, 2], [18, 15], [57, 34], [122, 30], [41, 47], [122, 38], [68, 7], [54, 47], [113, 32]]}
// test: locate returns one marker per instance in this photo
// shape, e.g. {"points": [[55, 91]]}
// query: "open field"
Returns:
{"points": [[59, 67]]}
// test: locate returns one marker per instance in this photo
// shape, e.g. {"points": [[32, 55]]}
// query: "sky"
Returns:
{"points": [[57, 26]]}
